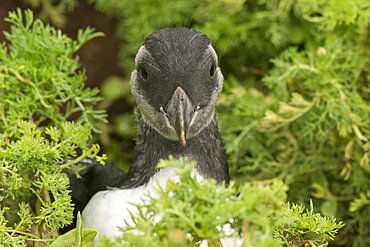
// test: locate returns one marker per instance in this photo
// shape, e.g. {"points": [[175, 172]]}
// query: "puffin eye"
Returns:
{"points": [[212, 70], [143, 73]]}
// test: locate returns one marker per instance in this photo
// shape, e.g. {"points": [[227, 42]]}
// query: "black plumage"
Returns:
{"points": [[93, 178], [206, 148]]}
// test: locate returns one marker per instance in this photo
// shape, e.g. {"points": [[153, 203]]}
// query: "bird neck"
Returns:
{"points": [[206, 148]]}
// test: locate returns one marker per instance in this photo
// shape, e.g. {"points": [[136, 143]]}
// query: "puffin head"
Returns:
{"points": [[176, 82]]}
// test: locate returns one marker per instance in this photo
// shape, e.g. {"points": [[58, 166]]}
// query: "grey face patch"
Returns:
{"points": [[153, 117], [213, 52], [140, 54], [203, 114]]}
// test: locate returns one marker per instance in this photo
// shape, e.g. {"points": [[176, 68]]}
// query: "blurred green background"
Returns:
{"points": [[295, 103]]}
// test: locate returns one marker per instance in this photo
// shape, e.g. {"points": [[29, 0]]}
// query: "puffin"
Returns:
{"points": [[176, 84]]}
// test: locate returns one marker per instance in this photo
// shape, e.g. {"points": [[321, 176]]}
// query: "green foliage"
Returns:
{"points": [[53, 10], [116, 92], [78, 237], [310, 128], [41, 89], [44, 75], [307, 227], [256, 34], [190, 211]]}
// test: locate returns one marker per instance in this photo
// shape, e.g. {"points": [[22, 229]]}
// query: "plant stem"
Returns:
{"points": [[247, 238], [93, 149], [32, 236]]}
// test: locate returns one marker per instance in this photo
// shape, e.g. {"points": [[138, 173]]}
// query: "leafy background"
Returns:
{"points": [[296, 98]]}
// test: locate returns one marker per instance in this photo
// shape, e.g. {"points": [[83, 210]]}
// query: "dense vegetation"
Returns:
{"points": [[41, 88], [295, 108]]}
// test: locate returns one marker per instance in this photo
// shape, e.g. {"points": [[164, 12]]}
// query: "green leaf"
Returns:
{"points": [[68, 239], [115, 87], [329, 207]]}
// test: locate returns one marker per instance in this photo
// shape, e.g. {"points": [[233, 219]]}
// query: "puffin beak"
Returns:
{"points": [[180, 111]]}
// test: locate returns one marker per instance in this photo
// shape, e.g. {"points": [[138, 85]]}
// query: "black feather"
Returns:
{"points": [[93, 178]]}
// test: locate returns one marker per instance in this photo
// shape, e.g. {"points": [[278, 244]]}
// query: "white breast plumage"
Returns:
{"points": [[108, 209]]}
